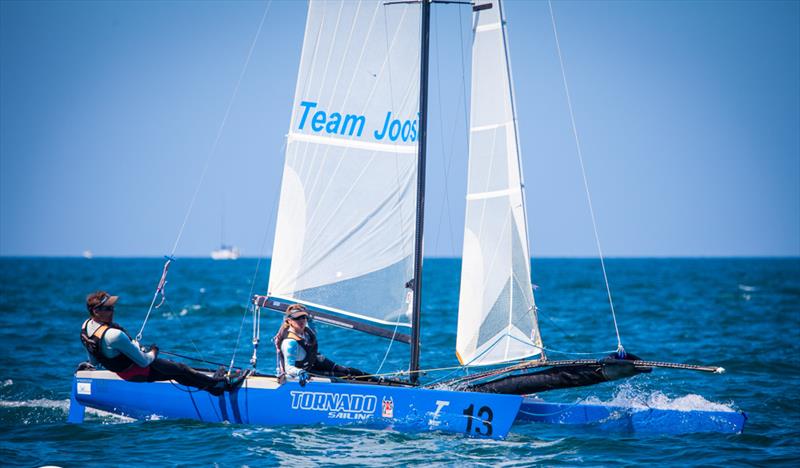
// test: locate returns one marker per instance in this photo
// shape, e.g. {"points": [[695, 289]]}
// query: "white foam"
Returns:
{"points": [[747, 288], [106, 414], [629, 397], [8, 382], [62, 405], [37, 403]]}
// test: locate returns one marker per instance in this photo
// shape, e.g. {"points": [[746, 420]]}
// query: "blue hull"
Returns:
{"points": [[647, 420], [262, 401]]}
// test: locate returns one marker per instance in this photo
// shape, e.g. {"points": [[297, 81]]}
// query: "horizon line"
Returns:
{"points": [[436, 257]]}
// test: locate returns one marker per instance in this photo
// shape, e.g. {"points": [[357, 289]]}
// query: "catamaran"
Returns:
{"points": [[348, 246]]}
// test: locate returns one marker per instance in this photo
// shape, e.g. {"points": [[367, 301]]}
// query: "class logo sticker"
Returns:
{"points": [[338, 405], [387, 410], [434, 420]]}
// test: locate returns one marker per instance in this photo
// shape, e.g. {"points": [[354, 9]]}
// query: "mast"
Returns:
{"points": [[423, 133]]}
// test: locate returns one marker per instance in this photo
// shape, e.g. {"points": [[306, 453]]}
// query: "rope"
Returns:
{"points": [[171, 256], [159, 289], [190, 358], [583, 172]]}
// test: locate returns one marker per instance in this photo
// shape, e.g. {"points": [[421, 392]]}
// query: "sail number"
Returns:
{"points": [[484, 418]]}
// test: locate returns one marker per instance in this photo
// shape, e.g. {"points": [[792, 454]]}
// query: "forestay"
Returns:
{"points": [[497, 318], [345, 229]]}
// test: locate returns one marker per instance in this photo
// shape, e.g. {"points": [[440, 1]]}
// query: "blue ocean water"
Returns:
{"points": [[742, 314]]}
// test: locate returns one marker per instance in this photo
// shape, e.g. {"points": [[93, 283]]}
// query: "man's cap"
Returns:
{"points": [[99, 299], [295, 311]]}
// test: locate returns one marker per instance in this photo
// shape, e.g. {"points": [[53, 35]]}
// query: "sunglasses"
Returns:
{"points": [[303, 317], [100, 307]]}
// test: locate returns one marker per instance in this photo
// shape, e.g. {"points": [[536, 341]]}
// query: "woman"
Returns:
{"points": [[297, 350]]}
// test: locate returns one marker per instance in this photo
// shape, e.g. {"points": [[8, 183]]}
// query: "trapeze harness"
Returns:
{"points": [[121, 364], [308, 344]]}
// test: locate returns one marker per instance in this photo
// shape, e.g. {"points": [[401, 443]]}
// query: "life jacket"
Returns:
{"points": [[308, 343], [119, 363]]}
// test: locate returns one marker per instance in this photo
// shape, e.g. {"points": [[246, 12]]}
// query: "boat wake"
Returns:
{"points": [[628, 396], [62, 408]]}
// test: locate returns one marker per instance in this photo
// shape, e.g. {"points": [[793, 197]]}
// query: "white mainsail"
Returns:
{"points": [[346, 218], [497, 317]]}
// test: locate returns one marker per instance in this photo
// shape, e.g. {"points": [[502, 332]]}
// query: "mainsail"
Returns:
{"points": [[497, 317], [346, 219]]}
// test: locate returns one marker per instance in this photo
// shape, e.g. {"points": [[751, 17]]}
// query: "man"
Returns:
{"points": [[109, 345], [297, 350]]}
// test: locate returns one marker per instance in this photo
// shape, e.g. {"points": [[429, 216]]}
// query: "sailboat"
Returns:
{"points": [[225, 251], [348, 246]]}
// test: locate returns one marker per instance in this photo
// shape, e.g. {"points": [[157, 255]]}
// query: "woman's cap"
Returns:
{"points": [[295, 311]]}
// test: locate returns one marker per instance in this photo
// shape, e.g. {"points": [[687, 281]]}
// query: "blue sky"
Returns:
{"points": [[689, 116]]}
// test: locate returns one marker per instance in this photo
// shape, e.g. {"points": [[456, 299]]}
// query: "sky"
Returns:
{"points": [[688, 115]]}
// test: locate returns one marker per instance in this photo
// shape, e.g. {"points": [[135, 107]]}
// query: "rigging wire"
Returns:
{"points": [[206, 165], [620, 349], [389, 348], [180, 322], [446, 156], [397, 174], [258, 265], [222, 125]]}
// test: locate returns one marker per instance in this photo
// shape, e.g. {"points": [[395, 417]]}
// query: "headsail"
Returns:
{"points": [[345, 231], [497, 318]]}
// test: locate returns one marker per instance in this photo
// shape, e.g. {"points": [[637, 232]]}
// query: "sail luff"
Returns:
{"points": [[537, 337], [497, 321]]}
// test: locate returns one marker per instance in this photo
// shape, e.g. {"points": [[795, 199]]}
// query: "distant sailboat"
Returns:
{"points": [[87, 254], [225, 251]]}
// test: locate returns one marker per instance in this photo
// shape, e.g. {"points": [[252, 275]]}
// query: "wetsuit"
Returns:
{"points": [[110, 346]]}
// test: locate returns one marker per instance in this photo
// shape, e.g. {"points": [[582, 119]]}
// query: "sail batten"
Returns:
{"points": [[345, 230], [497, 314]]}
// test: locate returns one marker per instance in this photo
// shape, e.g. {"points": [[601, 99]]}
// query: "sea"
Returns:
{"points": [[739, 313]]}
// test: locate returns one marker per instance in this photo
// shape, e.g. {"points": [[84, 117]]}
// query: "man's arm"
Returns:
{"points": [[120, 342]]}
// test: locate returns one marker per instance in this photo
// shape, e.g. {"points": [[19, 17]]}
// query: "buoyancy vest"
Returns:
{"points": [[93, 342], [308, 343]]}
